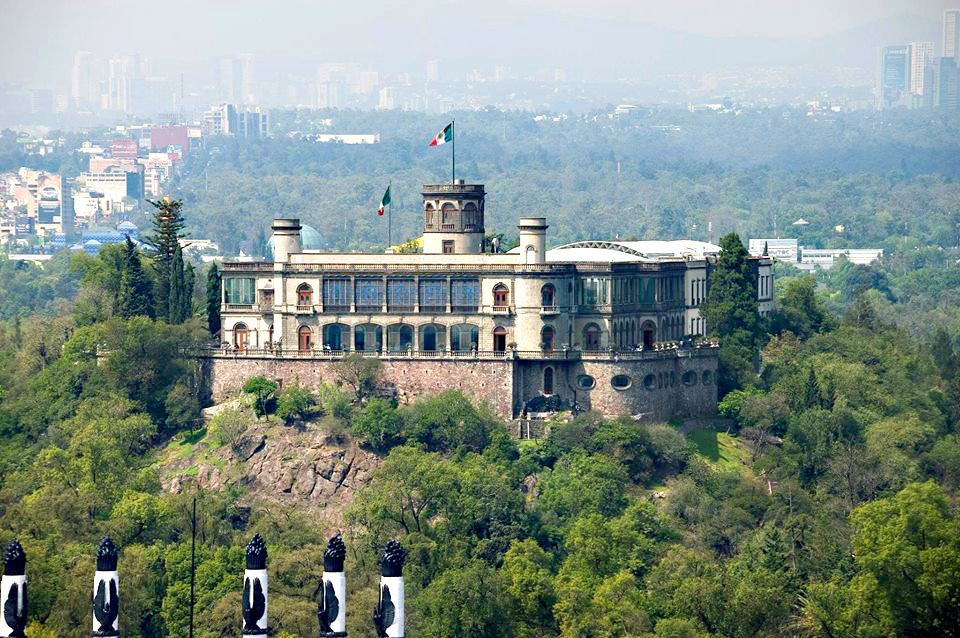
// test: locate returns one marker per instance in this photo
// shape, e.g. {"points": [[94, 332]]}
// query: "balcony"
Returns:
{"points": [[501, 310], [240, 306], [304, 310], [547, 311]]}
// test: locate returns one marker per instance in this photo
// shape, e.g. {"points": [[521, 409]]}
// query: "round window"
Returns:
{"points": [[707, 377], [650, 382], [689, 377], [620, 382], [586, 382]]}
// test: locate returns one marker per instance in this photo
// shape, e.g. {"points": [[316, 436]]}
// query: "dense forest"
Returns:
{"points": [[821, 502]]}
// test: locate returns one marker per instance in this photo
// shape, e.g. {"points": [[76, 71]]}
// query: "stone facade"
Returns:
{"points": [[650, 386]]}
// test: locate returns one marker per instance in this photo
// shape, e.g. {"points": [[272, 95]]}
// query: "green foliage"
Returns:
{"points": [[213, 300], [800, 310], [134, 296], [262, 390], [168, 224], [295, 403], [359, 372], [379, 425], [731, 313]]}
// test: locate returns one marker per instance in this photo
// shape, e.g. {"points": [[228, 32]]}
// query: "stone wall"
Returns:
{"points": [[490, 381], [657, 387]]}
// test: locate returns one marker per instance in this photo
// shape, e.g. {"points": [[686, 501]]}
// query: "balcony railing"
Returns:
{"points": [[304, 309]]}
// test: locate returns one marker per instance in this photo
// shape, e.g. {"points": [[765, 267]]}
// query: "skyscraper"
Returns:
{"points": [[247, 79], [231, 80], [433, 70], [85, 83], [951, 33], [921, 74], [894, 83]]}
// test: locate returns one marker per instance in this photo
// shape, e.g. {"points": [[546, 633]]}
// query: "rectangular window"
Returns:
{"points": [[465, 295], [239, 290], [370, 294], [401, 293], [336, 294], [266, 299], [433, 295], [447, 246]]}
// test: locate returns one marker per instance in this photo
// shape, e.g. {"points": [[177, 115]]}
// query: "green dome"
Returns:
{"points": [[310, 239]]}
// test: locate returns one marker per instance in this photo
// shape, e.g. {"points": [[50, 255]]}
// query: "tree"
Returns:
{"points": [[941, 348], [262, 390], [213, 300], [910, 543], [168, 224], [359, 372], [800, 311], [378, 425], [134, 297], [178, 299], [469, 602], [732, 314], [295, 403]]}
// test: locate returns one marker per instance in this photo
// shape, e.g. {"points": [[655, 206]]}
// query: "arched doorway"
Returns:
{"points": [[547, 296], [548, 380], [649, 334], [432, 338], [335, 336], [399, 337], [303, 339], [501, 296], [591, 337], [499, 339], [546, 339], [240, 335]]}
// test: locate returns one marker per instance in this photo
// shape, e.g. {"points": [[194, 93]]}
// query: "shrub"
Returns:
{"points": [[378, 425], [295, 403], [262, 390]]}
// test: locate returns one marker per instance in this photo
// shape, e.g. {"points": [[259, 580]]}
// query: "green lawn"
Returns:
{"points": [[719, 448]]}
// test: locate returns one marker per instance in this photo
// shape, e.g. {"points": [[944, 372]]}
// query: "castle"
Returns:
{"points": [[613, 326]]}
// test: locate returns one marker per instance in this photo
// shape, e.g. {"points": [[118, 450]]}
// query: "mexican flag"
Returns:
{"points": [[444, 136], [384, 202]]}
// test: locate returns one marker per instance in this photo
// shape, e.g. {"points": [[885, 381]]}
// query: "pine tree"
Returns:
{"points": [[732, 313], [766, 247], [168, 226], [134, 297], [213, 300], [811, 391], [176, 291]]}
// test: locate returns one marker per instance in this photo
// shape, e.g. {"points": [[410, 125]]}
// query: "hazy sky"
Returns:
{"points": [[39, 37]]}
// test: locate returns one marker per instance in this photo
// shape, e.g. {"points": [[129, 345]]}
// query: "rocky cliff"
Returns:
{"points": [[309, 466]]}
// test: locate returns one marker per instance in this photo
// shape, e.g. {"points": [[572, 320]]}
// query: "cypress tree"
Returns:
{"points": [[213, 299], [168, 226], [189, 281], [176, 290], [732, 313], [134, 297], [811, 391]]}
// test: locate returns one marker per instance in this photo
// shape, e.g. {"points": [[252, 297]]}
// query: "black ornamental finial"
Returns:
{"points": [[334, 555], [257, 553], [14, 559], [106, 555], [391, 563]]}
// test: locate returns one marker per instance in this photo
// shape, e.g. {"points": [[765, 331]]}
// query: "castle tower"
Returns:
{"points": [[533, 239], [286, 239], [453, 218]]}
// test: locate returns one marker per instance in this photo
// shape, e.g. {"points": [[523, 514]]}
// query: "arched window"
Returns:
{"points": [[446, 213], [304, 295], [240, 336], [399, 337], [429, 215], [470, 215], [546, 339], [336, 336], [303, 339], [501, 295], [433, 338], [530, 255], [368, 337], [499, 339], [547, 296], [548, 380], [464, 338], [591, 337]]}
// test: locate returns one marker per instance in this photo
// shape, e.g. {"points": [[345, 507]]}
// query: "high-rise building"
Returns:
{"points": [[894, 83], [85, 81], [433, 71], [230, 80], [948, 90], [951, 33], [387, 98], [122, 70], [921, 73], [247, 79]]}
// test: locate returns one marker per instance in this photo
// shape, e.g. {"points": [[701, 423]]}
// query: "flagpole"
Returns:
{"points": [[453, 152], [390, 215]]}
